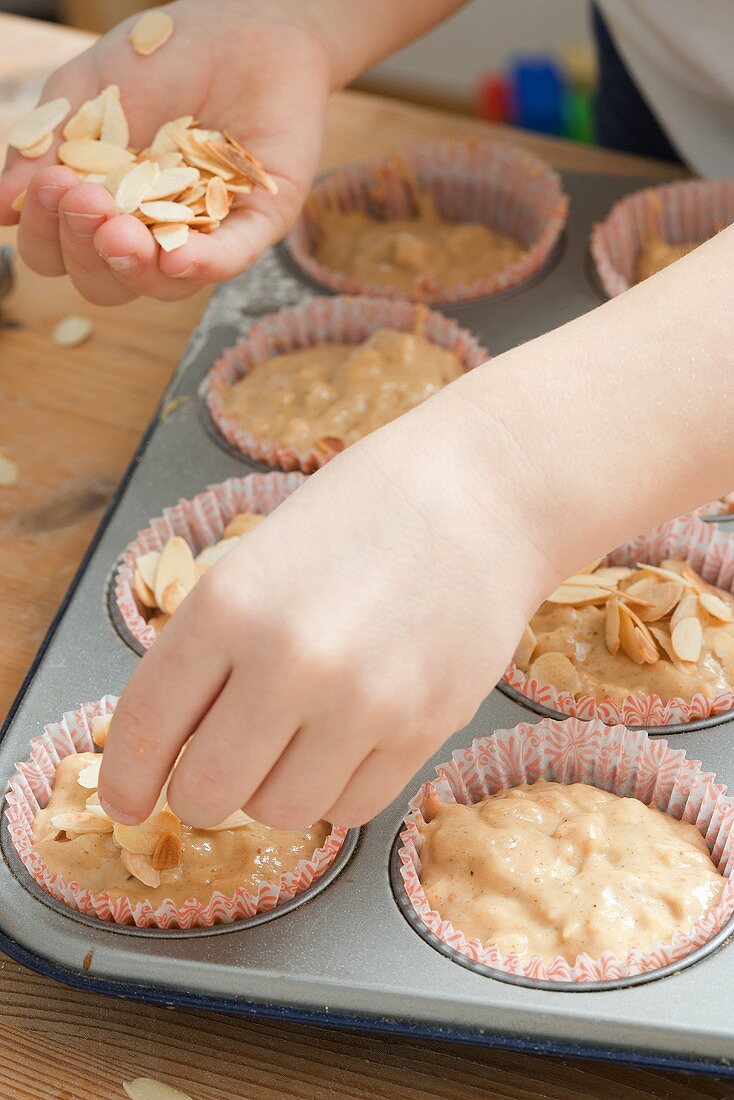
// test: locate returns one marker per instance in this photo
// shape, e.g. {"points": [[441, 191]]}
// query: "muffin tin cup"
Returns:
{"points": [[497, 185], [201, 522], [338, 320], [30, 789], [688, 210], [616, 759], [711, 553]]}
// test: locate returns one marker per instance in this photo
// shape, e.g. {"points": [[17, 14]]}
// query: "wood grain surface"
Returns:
{"points": [[72, 420]]}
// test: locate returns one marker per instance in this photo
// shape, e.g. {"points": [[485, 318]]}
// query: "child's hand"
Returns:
{"points": [[324, 659], [246, 67]]}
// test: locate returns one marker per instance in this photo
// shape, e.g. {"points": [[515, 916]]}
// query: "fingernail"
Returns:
{"points": [[83, 225], [49, 196], [126, 264], [186, 273], [117, 815]]}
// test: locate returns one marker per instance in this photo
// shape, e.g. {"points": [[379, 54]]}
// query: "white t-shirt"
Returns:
{"points": [[680, 53]]}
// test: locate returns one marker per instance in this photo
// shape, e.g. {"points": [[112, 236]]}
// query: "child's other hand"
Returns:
{"points": [[320, 663], [247, 67]]}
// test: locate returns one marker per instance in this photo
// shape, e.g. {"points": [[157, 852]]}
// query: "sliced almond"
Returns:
{"points": [[115, 129], [249, 165], [172, 212], [147, 566], [100, 726], [237, 820], [242, 524], [173, 596], [141, 867], [87, 122], [93, 156], [135, 185], [592, 567], [38, 123], [688, 608], [151, 31], [687, 639], [143, 591], [164, 142], [169, 158], [170, 237], [171, 182], [579, 595], [18, 201], [143, 839], [612, 575], [724, 650], [663, 572], [146, 1088], [217, 199], [660, 596], [79, 822], [612, 627], [72, 331], [555, 669], [635, 639], [9, 471], [715, 606], [167, 854], [526, 647], [89, 776], [32, 152], [176, 565]]}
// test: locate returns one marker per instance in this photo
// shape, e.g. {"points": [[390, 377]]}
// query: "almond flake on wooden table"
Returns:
{"points": [[151, 31], [72, 331], [146, 1088], [38, 123], [8, 469]]}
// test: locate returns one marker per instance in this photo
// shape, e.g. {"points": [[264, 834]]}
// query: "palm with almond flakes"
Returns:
{"points": [[76, 227]]}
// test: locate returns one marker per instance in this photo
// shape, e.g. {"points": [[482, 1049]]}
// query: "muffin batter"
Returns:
{"points": [[210, 860], [554, 869], [620, 637], [330, 395], [404, 254]]}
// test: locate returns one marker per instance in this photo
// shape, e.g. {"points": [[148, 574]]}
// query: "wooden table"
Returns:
{"points": [[72, 420]]}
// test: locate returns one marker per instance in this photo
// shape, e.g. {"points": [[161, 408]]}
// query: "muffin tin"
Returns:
{"points": [[346, 956]]}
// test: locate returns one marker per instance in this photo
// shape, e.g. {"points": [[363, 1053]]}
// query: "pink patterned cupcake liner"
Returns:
{"points": [[711, 553], [201, 522], [30, 789], [339, 320], [625, 762], [720, 509], [689, 210], [501, 186]]}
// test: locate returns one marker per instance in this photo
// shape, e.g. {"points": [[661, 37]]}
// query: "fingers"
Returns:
{"points": [[38, 234], [167, 695], [82, 211], [232, 750], [374, 785], [129, 250], [308, 778]]}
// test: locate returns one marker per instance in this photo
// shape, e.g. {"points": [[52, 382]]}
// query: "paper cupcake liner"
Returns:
{"points": [[622, 761], [30, 789], [501, 186], [340, 320], [723, 508], [690, 210], [711, 553], [201, 522]]}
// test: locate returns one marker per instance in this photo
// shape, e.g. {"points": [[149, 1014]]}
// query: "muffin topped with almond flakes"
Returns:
{"points": [[616, 631], [162, 858]]}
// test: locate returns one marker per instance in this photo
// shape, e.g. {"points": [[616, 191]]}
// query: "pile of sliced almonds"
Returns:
{"points": [[162, 579], [652, 612], [186, 179], [147, 850]]}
